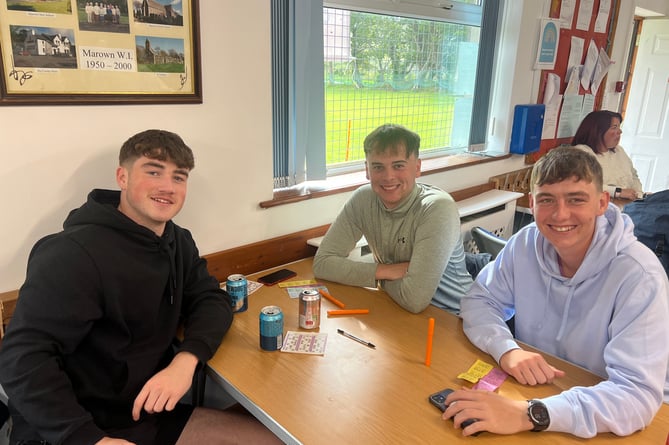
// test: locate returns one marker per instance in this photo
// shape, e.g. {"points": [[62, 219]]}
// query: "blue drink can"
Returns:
{"points": [[237, 288], [271, 328]]}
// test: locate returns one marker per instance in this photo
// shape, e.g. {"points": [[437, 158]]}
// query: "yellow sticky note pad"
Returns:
{"points": [[297, 283], [476, 371]]}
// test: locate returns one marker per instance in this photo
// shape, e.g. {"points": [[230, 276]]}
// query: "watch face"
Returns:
{"points": [[538, 414]]}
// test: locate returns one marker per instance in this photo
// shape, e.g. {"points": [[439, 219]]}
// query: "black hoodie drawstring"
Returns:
{"points": [[167, 250]]}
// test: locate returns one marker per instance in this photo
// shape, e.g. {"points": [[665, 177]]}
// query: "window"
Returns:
{"points": [[356, 64]]}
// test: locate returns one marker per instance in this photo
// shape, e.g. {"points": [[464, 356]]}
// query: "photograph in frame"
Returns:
{"points": [[81, 52]]}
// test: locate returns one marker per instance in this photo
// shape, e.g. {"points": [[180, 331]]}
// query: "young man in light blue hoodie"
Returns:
{"points": [[582, 288]]}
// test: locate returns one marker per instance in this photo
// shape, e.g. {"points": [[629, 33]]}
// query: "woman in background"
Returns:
{"points": [[600, 132]]}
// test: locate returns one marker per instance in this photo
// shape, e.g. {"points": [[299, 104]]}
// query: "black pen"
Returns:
{"points": [[353, 337]]}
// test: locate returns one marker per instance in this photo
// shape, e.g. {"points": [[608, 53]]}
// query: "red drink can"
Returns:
{"points": [[310, 309]]}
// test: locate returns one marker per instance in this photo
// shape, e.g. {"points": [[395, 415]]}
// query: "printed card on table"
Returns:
{"points": [[305, 342]]}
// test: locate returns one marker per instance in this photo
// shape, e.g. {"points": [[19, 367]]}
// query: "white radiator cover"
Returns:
{"points": [[493, 210]]}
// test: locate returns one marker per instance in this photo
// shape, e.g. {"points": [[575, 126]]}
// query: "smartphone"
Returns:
{"points": [[438, 399], [275, 277]]}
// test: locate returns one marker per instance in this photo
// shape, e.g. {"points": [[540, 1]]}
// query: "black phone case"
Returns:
{"points": [[438, 399], [276, 277]]}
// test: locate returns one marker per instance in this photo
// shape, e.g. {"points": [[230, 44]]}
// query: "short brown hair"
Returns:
{"points": [[157, 144], [567, 162], [391, 136]]}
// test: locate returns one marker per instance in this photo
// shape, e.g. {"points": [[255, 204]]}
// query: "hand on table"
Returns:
{"points": [[528, 368], [493, 413]]}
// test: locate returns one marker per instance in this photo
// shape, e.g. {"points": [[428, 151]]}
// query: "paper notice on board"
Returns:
{"points": [[573, 80], [552, 101], [549, 39], [588, 105], [602, 15], [584, 14], [550, 117], [575, 51], [570, 116], [589, 65], [567, 13], [552, 88], [602, 67]]}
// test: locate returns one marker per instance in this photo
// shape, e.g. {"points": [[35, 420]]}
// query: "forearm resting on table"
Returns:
{"points": [[391, 271], [345, 271]]}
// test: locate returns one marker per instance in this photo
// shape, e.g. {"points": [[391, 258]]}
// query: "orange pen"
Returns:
{"points": [[428, 349], [348, 312], [331, 298]]}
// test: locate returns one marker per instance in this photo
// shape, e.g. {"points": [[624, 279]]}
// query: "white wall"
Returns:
{"points": [[516, 81], [52, 156], [621, 45], [657, 6]]}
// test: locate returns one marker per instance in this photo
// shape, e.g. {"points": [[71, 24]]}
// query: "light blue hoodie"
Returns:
{"points": [[611, 317]]}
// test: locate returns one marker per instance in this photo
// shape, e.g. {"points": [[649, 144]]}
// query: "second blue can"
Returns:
{"points": [[237, 287], [271, 328]]}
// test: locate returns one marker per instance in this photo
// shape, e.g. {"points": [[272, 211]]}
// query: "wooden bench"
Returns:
{"points": [[515, 181], [7, 305]]}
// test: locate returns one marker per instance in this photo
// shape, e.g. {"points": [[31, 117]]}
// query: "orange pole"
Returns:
{"points": [[428, 349], [348, 312], [331, 298]]}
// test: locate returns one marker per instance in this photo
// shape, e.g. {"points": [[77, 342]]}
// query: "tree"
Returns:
{"points": [[402, 52]]}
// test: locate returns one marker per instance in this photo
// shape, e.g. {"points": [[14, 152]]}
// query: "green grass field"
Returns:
{"points": [[54, 6], [161, 68], [352, 113]]}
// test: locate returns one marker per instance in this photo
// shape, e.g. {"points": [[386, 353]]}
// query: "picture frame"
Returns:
{"points": [[78, 52]]}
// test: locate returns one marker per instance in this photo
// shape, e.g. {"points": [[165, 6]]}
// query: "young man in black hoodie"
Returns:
{"points": [[88, 357]]}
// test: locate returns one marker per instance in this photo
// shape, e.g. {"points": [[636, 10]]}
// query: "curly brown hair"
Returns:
{"points": [[157, 144]]}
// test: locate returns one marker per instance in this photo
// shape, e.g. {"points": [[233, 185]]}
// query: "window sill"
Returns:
{"points": [[351, 181]]}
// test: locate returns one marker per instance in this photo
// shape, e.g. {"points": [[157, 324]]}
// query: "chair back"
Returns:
{"points": [[487, 242]]}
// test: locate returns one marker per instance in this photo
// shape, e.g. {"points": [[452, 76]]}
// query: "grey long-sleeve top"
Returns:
{"points": [[423, 230]]}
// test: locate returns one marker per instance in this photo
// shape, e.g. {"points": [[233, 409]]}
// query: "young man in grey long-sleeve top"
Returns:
{"points": [[412, 229]]}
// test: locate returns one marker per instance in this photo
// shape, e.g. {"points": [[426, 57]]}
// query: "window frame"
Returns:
{"points": [[305, 138], [450, 11]]}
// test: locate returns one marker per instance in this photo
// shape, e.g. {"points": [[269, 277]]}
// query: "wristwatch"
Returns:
{"points": [[538, 414], [617, 192]]}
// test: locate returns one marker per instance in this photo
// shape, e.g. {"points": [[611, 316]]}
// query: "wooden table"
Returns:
{"points": [[357, 395]]}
